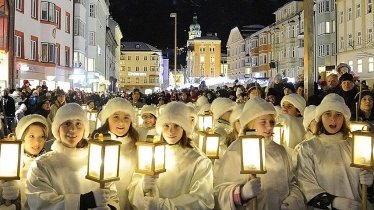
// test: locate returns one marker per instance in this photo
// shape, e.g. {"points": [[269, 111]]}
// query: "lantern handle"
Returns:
{"points": [[99, 136], [11, 137]]}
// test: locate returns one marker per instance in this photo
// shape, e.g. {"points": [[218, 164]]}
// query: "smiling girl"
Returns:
{"points": [[118, 118], [277, 188], [324, 172], [188, 180]]}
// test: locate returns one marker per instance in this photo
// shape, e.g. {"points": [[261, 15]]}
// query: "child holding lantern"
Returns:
{"points": [[188, 180], [148, 114], [33, 131], [56, 179], [117, 118], [275, 189], [324, 172]]}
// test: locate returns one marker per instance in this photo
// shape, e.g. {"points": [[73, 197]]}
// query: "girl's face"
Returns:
{"points": [[366, 103], [71, 132], [172, 133], [288, 108], [332, 121], [264, 125], [119, 123], [34, 139], [149, 121]]}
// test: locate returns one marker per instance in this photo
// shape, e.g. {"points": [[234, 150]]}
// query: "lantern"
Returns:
{"points": [[103, 160], [151, 158], [205, 121], [209, 143], [84, 106], [363, 144], [278, 134], [92, 116], [10, 158], [359, 126], [252, 154]]}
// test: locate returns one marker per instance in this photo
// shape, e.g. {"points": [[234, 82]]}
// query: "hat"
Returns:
{"points": [[201, 101], [71, 111], [60, 93], [254, 108], [346, 77], [116, 105], [149, 109], [364, 93], [235, 115], [26, 121], [309, 113], [220, 106], [341, 65], [333, 102], [177, 113], [272, 92], [26, 81], [296, 100]]}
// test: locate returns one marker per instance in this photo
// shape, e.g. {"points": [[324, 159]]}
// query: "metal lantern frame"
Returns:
{"points": [[365, 126], [103, 142], [278, 131], [369, 148], [152, 170], [91, 115], [261, 152], [207, 138], [10, 141], [205, 121], [84, 106]]}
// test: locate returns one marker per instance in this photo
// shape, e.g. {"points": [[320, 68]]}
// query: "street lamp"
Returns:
{"points": [[174, 15]]}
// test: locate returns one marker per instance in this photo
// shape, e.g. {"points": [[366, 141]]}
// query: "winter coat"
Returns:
{"points": [[143, 132], [324, 167], [223, 128], [127, 167], [56, 180], [276, 185], [186, 184]]}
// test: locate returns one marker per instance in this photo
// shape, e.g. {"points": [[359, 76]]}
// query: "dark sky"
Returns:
{"points": [[149, 20]]}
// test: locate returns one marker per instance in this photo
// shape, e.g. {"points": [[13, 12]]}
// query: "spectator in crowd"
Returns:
{"points": [[136, 98], [43, 108], [148, 114], [332, 84], [366, 105], [348, 91], [300, 89], [7, 109], [60, 101]]}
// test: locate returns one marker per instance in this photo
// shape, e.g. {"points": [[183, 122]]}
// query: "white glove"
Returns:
{"points": [[100, 208], [149, 183], [11, 190], [345, 204], [151, 203], [289, 203], [251, 189], [101, 197], [11, 207], [366, 177]]}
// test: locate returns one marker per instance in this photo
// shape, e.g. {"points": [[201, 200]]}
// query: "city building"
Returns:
{"points": [[43, 42], [203, 57], [6, 49], [91, 19], [260, 53], [140, 66], [355, 23], [287, 54], [325, 35]]}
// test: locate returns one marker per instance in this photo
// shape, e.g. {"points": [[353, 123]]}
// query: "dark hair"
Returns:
{"points": [[185, 142], [82, 143], [321, 129], [104, 129]]}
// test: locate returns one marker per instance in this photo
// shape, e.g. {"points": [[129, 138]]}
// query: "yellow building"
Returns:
{"points": [[204, 57], [140, 66]]}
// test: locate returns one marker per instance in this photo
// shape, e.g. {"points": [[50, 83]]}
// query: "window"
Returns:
{"points": [[137, 57], [51, 12], [58, 17], [137, 68], [57, 53], [67, 22], [341, 43], [371, 64], [333, 26], [145, 57], [79, 27], [145, 79], [370, 6], [19, 5], [212, 71], [48, 52], [359, 65], [350, 40], [359, 38], [211, 49], [358, 10], [92, 38], [145, 68], [18, 46], [350, 63], [33, 50], [48, 11], [90, 64], [129, 58], [92, 10], [370, 35], [349, 14], [34, 9], [327, 49], [202, 49], [67, 56], [341, 17]]}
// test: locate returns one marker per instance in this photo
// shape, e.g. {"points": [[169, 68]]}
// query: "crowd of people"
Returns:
{"points": [[309, 170]]}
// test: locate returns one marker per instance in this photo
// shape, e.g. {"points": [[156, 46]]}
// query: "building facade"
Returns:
{"points": [[260, 53], [43, 52], [355, 23], [286, 44], [141, 66], [236, 54]]}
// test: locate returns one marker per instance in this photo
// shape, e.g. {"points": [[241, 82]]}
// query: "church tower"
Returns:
{"points": [[194, 31]]}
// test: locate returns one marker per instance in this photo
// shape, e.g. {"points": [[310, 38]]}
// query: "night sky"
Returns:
{"points": [[149, 20]]}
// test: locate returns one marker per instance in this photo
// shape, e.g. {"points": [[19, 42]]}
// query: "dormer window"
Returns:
{"points": [[137, 46]]}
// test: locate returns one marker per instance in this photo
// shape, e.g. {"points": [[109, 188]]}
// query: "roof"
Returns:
{"points": [[137, 46], [247, 30], [209, 37]]}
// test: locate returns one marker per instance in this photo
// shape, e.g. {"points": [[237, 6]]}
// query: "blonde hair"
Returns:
{"points": [[41, 125]]}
